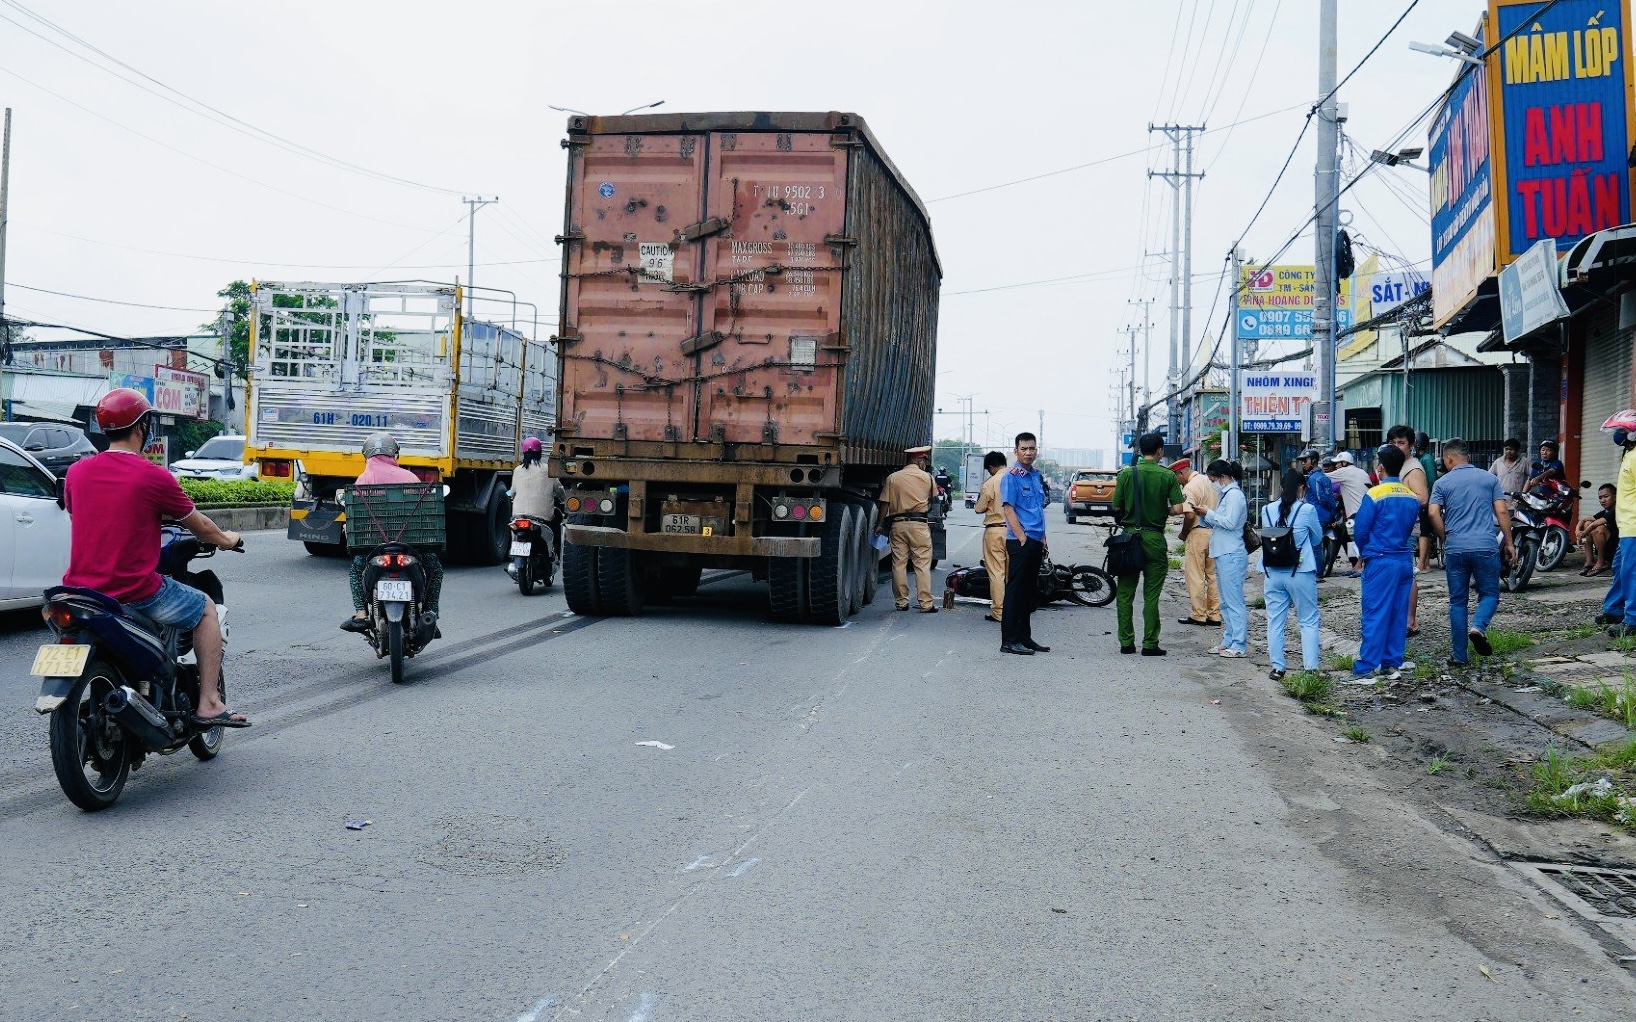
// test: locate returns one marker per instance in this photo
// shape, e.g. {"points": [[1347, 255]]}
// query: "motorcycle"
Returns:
{"points": [[118, 685], [395, 602], [1554, 501], [533, 563], [1527, 532], [1084, 584]]}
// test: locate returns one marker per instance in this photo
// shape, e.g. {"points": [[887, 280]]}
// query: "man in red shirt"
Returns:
{"points": [[117, 501]]}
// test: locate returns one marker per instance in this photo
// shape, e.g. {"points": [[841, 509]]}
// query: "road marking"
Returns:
{"points": [[743, 867], [533, 1014], [644, 1009], [695, 864]]}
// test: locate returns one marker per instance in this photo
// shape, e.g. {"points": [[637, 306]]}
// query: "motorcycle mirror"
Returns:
{"points": [[445, 489], [1584, 484]]}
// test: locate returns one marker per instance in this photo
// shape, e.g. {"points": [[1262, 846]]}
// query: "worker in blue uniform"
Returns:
{"points": [[1384, 521]]}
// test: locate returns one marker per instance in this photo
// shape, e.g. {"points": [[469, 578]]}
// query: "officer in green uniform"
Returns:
{"points": [[1161, 498]]}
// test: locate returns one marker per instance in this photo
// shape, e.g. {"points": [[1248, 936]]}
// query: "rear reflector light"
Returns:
{"points": [[799, 509], [816, 513], [798, 512], [276, 470], [522, 523], [57, 616], [393, 560], [426, 475], [606, 507], [573, 503]]}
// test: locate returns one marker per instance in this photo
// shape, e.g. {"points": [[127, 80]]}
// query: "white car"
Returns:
{"points": [[221, 457], [33, 531]]}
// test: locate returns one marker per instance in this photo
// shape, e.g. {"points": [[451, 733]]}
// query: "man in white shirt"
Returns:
{"points": [[1351, 483]]}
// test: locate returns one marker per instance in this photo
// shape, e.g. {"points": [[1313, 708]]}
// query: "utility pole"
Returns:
{"points": [[1138, 418], [1181, 272], [5, 178], [1234, 399], [471, 242], [1324, 226]]}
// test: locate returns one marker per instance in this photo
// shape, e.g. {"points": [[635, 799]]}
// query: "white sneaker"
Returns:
{"points": [[1407, 666], [1216, 650], [1388, 674]]}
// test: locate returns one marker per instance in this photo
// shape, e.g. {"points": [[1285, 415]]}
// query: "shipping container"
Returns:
{"points": [[748, 331]]}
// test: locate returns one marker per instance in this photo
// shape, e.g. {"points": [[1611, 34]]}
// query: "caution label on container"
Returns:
{"points": [[658, 260]]}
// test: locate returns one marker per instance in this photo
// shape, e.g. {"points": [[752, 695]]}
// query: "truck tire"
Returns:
{"points": [[868, 559], [787, 586], [858, 517], [829, 576], [621, 581], [579, 577], [482, 538]]}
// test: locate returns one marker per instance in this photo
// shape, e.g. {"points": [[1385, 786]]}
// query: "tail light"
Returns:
{"points": [[57, 616], [393, 560], [522, 524], [799, 509], [592, 504], [276, 470], [426, 475]]}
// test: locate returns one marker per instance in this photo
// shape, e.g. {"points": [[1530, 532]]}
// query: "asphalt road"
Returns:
{"points": [[886, 820]]}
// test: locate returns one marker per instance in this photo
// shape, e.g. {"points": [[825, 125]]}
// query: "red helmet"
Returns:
{"points": [[531, 445], [121, 408], [1625, 420]]}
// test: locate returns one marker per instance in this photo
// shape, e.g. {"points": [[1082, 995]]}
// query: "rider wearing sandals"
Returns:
{"points": [[117, 502], [381, 457]]}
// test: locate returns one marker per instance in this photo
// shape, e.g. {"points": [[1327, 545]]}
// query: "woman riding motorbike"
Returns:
{"points": [[381, 455]]}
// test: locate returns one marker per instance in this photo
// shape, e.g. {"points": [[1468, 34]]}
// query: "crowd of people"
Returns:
{"points": [[1386, 523]]}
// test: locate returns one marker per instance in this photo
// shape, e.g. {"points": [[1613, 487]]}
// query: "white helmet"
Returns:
{"points": [[1345, 458], [378, 444]]}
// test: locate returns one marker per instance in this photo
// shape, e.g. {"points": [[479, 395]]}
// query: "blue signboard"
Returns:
{"points": [[1284, 324], [1462, 192], [1563, 86]]}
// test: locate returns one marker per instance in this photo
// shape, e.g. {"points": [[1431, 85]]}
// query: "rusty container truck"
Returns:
{"points": [[747, 345]]}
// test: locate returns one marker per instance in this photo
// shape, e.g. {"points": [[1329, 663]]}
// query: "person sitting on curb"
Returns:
{"points": [[1598, 534]]}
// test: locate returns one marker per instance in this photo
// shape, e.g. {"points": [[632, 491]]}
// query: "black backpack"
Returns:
{"points": [[1278, 546]]}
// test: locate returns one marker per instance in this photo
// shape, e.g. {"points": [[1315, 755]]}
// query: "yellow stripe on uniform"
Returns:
{"points": [[1381, 490]]}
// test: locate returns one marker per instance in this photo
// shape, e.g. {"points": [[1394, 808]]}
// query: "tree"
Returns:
{"points": [[10, 333], [237, 310]]}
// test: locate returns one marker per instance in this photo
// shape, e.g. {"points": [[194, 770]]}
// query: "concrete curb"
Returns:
{"points": [[250, 519], [1549, 710]]}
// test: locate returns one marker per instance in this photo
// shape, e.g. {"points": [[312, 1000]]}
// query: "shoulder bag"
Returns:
{"points": [[1252, 541], [1126, 555]]}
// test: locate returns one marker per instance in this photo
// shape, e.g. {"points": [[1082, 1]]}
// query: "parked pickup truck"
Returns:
{"points": [[1090, 492]]}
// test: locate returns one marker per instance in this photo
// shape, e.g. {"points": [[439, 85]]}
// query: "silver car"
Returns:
{"points": [[221, 457], [33, 531]]}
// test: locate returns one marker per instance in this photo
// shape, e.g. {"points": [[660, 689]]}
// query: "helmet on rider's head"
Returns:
{"points": [[121, 409], [1310, 454], [380, 445], [531, 445], [1621, 422]]}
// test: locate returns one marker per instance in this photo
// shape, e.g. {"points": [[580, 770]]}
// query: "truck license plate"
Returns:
{"points": [[681, 523], [522, 548], [395, 590], [60, 661]]}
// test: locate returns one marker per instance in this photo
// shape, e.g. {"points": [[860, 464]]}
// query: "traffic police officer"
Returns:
{"points": [[904, 503]]}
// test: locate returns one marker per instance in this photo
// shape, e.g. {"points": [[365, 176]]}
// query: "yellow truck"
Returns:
{"points": [[333, 363]]}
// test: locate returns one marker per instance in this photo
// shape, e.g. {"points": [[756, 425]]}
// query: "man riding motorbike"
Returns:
{"points": [[534, 494], [117, 502], [381, 456]]}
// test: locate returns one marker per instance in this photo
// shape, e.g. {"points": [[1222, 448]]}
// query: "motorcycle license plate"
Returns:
{"points": [[395, 590], [60, 661], [521, 548], [681, 523]]}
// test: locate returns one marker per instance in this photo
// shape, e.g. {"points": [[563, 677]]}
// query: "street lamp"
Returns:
{"points": [[582, 113], [1457, 46], [1400, 158]]}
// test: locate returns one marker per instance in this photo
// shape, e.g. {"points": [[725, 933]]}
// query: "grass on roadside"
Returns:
{"points": [[1358, 734], [1342, 662], [1615, 702], [1580, 632], [1313, 690], [1438, 764], [1425, 670], [1175, 563], [1505, 642], [1625, 644], [1592, 787]]}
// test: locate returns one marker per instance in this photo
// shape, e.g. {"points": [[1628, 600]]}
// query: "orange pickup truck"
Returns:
{"points": [[1090, 492]]}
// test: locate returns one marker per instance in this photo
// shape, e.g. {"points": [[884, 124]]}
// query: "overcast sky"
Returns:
{"points": [[121, 190]]}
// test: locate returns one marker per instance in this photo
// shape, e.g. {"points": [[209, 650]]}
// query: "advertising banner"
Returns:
{"points": [[1389, 290], [1529, 294], [179, 392], [1563, 120], [1275, 303], [144, 384], [1274, 402], [1462, 190]]}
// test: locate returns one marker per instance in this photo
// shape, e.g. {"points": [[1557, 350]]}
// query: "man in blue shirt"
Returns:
{"points": [[1320, 489], [1469, 511], [1387, 515], [1022, 502]]}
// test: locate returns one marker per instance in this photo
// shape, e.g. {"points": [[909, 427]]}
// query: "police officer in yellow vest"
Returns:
{"points": [[904, 503]]}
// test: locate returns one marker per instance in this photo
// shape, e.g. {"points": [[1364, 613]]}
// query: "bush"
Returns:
{"points": [[217, 493]]}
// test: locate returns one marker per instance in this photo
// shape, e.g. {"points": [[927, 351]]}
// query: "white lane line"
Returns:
{"points": [[644, 1008], [695, 864], [533, 1014], [743, 867]]}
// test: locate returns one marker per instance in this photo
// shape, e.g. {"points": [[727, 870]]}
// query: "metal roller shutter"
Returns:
{"points": [[1607, 390]]}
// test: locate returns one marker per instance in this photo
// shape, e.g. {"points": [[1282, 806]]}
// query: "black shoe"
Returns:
{"points": [[1276, 674], [1480, 643], [1605, 619], [1621, 631], [1190, 621], [904, 607], [1127, 650], [1036, 647], [1154, 651], [1213, 622], [928, 610], [355, 624], [1017, 648]]}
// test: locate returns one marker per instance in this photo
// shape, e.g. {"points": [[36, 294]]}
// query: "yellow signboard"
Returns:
{"points": [[1285, 287]]}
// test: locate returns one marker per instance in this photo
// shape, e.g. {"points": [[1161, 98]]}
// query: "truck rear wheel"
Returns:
{"points": [[787, 587], [620, 581], [579, 577], [483, 537], [868, 559], [830, 576]]}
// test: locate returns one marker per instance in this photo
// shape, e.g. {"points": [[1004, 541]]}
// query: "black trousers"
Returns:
{"points": [[1022, 590]]}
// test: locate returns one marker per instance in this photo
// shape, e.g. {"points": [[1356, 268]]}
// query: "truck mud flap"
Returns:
{"points": [[313, 521]]}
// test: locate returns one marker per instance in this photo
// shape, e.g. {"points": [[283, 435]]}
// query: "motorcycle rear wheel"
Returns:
{"points": [[89, 753], [1516, 578], [394, 645], [1090, 586], [207, 745], [525, 576]]}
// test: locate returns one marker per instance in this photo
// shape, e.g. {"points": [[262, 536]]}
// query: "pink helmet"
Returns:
{"points": [[531, 445], [1625, 420]]}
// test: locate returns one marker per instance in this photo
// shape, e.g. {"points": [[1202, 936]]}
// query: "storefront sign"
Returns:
{"points": [[1529, 294], [1275, 303], [1563, 120], [1274, 402], [179, 392], [1462, 191], [1389, 290]]}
